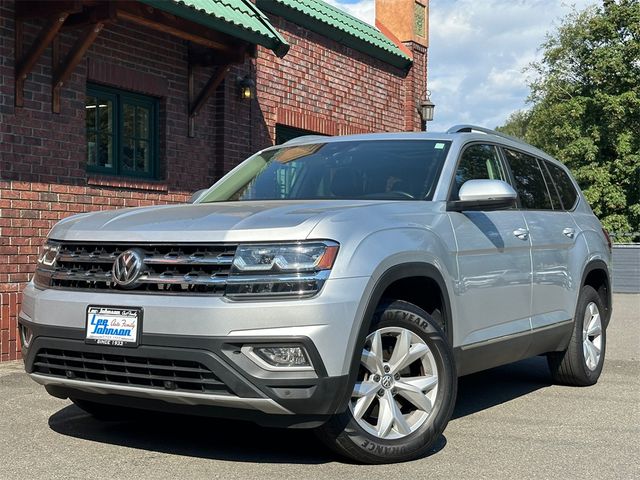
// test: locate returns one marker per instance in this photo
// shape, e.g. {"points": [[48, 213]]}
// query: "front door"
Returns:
{"points": [[493, 287]]}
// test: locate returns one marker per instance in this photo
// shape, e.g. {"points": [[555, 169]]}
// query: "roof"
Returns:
{"points": [[238, 18], [338, 25], [462, 133]]}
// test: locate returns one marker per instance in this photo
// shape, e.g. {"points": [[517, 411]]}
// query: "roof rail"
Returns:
{"points": [[474, 128], [304, 138]]}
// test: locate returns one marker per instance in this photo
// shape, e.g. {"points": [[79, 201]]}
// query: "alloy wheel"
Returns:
{"points": [[397, 384], [592, 336]]}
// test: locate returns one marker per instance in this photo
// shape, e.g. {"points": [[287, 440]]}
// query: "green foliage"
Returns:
{"points": [[585, 107], [517, 124]]}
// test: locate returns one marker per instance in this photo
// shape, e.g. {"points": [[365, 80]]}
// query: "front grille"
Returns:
{"points": [[179, 375], [167, 268]]}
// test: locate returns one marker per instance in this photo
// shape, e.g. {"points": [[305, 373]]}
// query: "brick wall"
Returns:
{"points": [[327, 87], [320, 86], [42, 155]]}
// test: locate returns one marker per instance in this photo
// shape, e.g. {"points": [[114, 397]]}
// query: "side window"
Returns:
{"points": [[529, 180], [564, 184], [478, 162], [556, 203]]}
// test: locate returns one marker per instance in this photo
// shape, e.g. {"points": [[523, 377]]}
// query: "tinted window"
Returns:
{"points": [[381, 169], [556, 203], [478, 162], [530, 183], [564, 184]]}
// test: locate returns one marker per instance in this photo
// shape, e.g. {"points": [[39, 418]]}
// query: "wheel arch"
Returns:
{"points": [[392, 275], [596, 274]]}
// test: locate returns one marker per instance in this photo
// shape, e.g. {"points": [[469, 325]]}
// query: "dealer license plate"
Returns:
{"points": [[115, 326]]}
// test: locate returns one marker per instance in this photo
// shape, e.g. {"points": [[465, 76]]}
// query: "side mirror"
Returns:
{"points": [[196, 196], [483, 195]]}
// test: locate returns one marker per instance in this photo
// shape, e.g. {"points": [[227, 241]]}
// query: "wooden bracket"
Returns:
{"points": [[26, 64], [196, 105], [63, 71]]}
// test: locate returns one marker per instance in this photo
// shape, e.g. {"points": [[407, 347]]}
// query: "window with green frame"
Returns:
{"points": [[122, 132]]}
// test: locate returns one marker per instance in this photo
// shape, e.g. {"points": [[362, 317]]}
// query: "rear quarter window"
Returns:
{"points": [[566, 190]]}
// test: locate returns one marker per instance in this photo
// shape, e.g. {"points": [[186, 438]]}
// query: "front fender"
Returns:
{"points": [[390, 255], [371, 299]]}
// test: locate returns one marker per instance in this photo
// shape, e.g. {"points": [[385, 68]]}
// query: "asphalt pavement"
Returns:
{"points": [[509, 422]]}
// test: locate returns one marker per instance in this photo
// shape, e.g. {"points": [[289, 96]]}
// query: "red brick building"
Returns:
{"points": [[108, 104]]}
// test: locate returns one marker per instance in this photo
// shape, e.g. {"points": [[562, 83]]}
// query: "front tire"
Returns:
{"points": [[581, 363], [405, 390]]}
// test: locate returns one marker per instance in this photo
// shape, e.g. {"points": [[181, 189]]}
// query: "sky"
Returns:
{"points": [[478, 50]]}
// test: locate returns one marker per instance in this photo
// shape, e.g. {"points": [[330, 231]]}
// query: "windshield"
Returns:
{"points": [[373, 169]]}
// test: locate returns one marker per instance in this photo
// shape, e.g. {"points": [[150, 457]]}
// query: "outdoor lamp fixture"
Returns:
{"points": [[246, 86], [425, 110]]}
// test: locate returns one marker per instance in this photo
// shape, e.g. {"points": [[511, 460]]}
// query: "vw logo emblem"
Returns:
{"points": [[387, 381], [127, 268]]}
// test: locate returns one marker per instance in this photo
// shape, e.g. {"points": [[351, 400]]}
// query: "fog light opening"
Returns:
{"points": [[279, 357], [26, 336]]}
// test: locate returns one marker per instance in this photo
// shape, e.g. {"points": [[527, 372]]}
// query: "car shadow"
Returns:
{"points": [[207, 438], [246, 442], [483, 390]]}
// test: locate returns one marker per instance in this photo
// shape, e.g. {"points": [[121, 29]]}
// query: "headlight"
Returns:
{"points": [[297, 269], [46, 264], [300, 257]]}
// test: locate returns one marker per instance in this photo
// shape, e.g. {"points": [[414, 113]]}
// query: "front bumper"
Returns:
{"points": [[209, 332]]}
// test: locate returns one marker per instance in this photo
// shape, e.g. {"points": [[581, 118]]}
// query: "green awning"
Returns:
{"points": [[237, 18], [338, 25]]}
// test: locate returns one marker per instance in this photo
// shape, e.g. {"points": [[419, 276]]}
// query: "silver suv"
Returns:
{"points": [[341, 283]]}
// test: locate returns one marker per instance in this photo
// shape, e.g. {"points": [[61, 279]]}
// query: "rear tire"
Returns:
{"points": [[402, 401], [581, 363]]}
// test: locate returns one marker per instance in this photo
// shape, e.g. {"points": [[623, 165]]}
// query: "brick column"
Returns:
{"points": [[408, 21]]}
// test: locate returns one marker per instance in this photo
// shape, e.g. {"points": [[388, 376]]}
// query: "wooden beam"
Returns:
{"points": [[26, 64], [178, 27], [48, 32], [208, 90], [26, 9], [64, 71]]}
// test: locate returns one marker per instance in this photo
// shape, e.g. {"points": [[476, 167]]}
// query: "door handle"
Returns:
{"points": [[569, 232], [521, 233]]}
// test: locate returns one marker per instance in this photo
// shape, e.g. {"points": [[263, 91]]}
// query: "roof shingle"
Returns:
{"points": [[238, 18]]}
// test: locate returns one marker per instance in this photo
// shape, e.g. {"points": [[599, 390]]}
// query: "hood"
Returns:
{"points": [[204, 222]]}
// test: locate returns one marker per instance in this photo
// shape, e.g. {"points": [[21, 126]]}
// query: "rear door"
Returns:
{"points": [[494, 264], [553, 239]]}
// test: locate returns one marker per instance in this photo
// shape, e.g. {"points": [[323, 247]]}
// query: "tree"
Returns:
{"points": [[585, 107], [517, 124]]}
